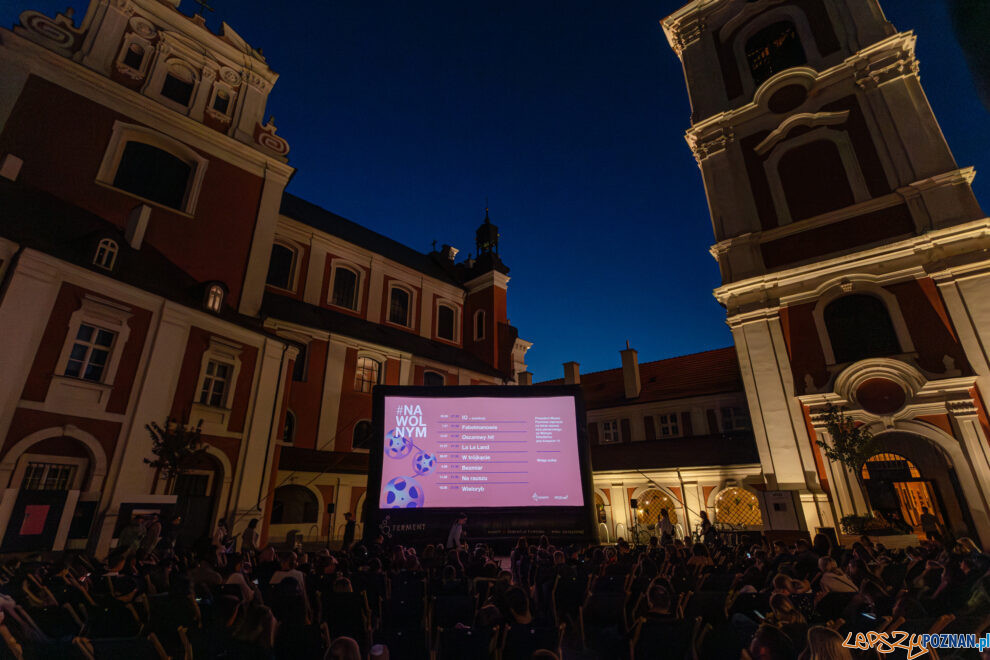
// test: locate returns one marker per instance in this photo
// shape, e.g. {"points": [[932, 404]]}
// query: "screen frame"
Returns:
{"points": [[584, 512]]}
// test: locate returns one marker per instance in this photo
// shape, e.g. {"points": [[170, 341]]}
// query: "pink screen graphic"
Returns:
{"points": [[480, 452]]}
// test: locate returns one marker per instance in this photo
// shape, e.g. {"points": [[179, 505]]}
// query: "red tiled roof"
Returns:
{"points": [[698, 374]]}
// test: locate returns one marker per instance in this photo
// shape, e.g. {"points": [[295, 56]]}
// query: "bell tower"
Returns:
{"points": [[851, 247]]}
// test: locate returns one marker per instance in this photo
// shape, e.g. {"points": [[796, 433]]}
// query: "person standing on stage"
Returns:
{"points": [[455, 537], [665, 527], [348, 531]]}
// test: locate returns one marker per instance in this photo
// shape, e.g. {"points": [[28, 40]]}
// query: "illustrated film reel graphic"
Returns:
{"points": [[424, 463], [396, 445], [403, 493]]}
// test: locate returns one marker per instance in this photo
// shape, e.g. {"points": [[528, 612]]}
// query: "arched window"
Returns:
{"points": [[368, 374], [106, 253], [446, 317], [479, 325], [362, 435], [153, 174], [214, 297], [294, 505], [649, 504], [179, 83], [281, 266], [289, 429], [859, 327], [345, 288], [739, 507], [399, 304], [432, 379], [773, 49], [892, 467], [814, 179]]}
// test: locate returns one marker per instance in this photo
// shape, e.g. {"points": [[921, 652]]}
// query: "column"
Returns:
{"points": [[974, 477], [333, 383], [313, 285], [256, 462], [24, 311], [130, 475]]}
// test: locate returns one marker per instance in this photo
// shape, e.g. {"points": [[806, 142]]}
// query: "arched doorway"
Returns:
{"points": [[197, 489], [43, 469], [910, 473]]}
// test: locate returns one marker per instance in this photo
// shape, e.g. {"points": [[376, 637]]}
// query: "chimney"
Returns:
{"points": [[449, 252], [572, 373], [525, 378], [137, 224], [630, 372]]}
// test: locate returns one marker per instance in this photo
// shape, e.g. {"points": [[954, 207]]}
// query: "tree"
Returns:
{"points": [[173, 444], [849, 445]]}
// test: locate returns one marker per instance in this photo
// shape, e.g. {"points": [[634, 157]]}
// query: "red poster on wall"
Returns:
{"points": [[35, 516]]}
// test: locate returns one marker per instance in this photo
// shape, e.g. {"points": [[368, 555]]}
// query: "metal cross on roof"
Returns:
{"points": [[204, 5]]}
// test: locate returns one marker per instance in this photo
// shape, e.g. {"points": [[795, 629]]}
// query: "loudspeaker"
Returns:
{"points": [[633, 503], [330, 507]]}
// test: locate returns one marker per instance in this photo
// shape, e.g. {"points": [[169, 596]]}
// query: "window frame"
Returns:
{"points": [[435, 372], [286, 438], [213, 301], [336, 265], [479, 328], [673, 420], [110, 249], [733, 418], [371, 436], [123, 133], [609, 428], [210, 110], [411, 313], [760, 21], [296, 251], [216, 418], [134, 39], [843, 287], [357, 370], [156, 81], [81, 465], [847, 154], [456, 326], [71, 392]]}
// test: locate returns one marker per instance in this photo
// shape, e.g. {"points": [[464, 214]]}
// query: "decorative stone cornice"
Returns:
{"points": [[711, 142], [897, 60]]}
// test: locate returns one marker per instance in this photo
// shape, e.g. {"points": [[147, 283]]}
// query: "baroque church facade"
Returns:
{"points": [[852, 251], [153, 268], [855, 273]]}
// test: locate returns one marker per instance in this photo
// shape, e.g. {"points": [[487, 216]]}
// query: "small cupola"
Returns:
{"points": [[486, 237]]}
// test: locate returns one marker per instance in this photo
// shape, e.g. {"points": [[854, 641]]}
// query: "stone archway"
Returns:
{"points": [[912, 466]]}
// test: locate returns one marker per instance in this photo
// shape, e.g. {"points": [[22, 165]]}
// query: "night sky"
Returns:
{"points": [[568, 116]]}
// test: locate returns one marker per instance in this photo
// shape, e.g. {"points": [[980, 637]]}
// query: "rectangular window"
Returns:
{"points": [[735, 418], [669, 425], [398, 307], [90, 352], [177, 90], [216, 384], [48, 476], [344, 288], [367, 374], [445, 322], [610, 432], [299, 366]]}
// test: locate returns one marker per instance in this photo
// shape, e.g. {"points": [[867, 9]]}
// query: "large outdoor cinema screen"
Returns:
{"points": [[468, 452]]}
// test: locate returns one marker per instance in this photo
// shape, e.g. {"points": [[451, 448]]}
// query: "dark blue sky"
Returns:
{"points": [[569, 116]]}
